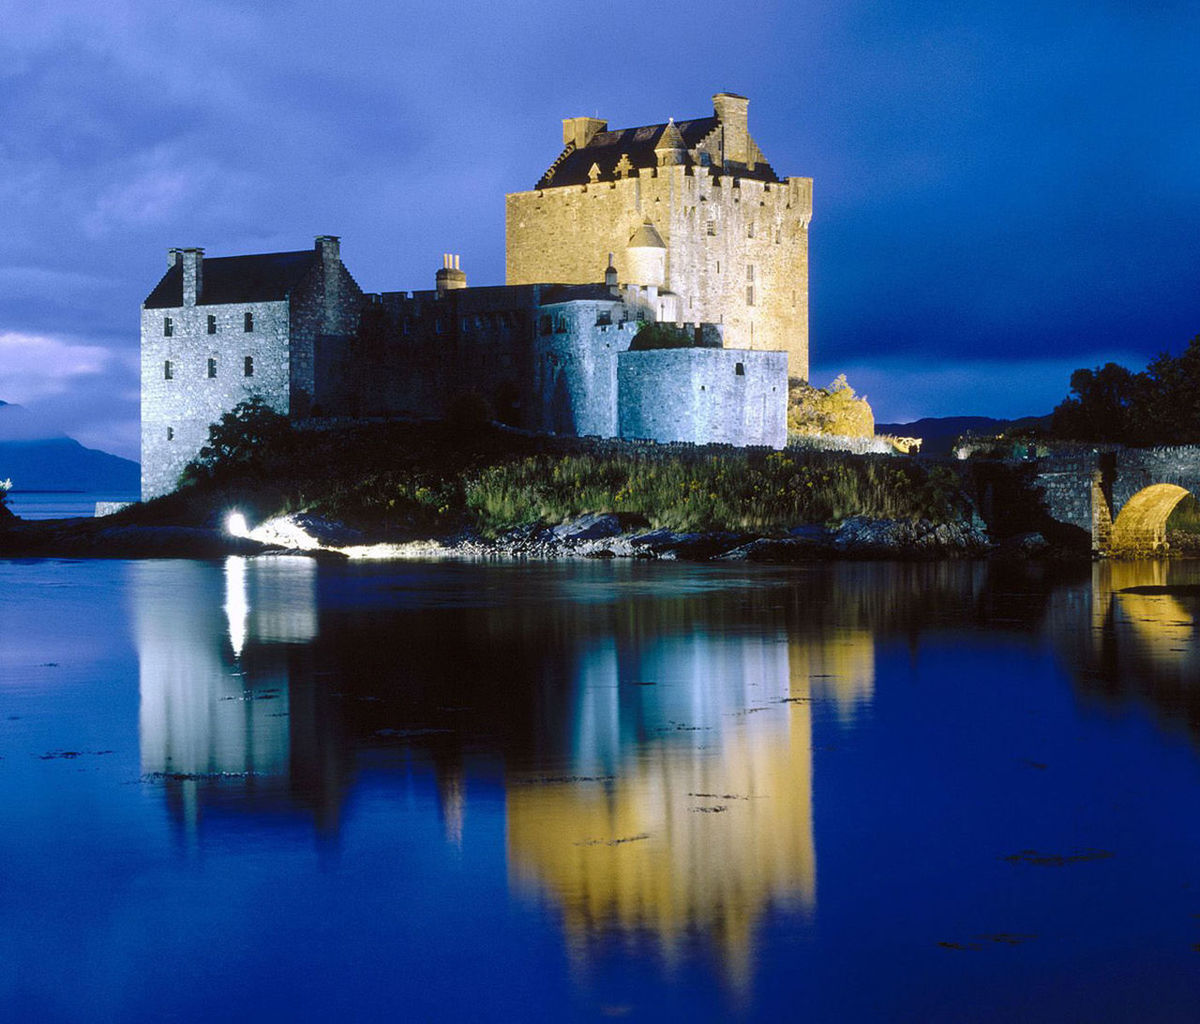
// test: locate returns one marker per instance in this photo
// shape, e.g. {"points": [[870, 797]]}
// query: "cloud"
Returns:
{"points": [[34, 367]]}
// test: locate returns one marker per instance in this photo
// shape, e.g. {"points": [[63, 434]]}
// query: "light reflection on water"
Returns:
{"points": [[716, 790]]}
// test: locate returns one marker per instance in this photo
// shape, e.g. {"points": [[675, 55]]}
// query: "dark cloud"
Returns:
{"points": [[1002, 191]]}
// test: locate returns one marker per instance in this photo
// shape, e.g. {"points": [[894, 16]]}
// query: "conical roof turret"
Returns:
{"points": [[647, 237]]}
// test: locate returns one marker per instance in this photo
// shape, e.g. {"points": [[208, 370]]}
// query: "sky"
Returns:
{"points": [[1003, 192]]}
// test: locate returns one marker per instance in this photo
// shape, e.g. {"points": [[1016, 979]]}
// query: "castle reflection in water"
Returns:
{"points": [[655, 732]]}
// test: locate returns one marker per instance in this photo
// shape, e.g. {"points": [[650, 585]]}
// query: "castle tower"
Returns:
{"points": [[646, 257], [734, 234]]}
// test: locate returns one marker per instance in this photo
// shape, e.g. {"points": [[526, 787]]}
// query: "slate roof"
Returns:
{"points": [[571, 292], [264, 277], [605, 149]]}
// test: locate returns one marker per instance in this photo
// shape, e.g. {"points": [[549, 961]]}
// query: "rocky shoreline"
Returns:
{"points": [[596, 535]]}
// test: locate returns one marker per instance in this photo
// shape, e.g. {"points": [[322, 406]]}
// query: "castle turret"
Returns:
{"points": [[670, 150], [646, 257], [449, 277]]}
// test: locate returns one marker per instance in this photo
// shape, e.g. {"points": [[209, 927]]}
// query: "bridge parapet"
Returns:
{"points": [[1121, 496]]}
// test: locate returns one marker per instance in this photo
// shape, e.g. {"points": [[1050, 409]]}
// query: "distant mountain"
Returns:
{"points": [[940, 433], [38, 458]]}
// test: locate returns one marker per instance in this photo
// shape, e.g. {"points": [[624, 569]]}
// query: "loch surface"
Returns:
{"points": [[275, 789]]}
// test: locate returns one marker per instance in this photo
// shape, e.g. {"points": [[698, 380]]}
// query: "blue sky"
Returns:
{"points": [[1003, 192]]}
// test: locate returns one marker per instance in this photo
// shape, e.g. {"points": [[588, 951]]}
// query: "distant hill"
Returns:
{"points": [[38, 458], [939, 433]]}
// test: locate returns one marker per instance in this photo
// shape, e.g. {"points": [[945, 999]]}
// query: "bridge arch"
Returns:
{"points": [[1141, 524]]}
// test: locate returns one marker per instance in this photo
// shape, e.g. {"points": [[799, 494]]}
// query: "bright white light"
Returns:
{"points": [[237, 603], [236, 525]]}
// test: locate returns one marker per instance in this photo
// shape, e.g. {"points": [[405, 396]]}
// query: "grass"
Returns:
{"points": [[401, 481]]}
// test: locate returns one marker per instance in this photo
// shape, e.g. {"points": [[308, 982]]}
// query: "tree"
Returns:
{"points": [[833, 410], [245, 437], [1105, 405]]}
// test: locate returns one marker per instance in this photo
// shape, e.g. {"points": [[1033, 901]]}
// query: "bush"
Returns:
{"points": [[835, 410]]}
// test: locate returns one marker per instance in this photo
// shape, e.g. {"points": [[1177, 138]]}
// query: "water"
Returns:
{"points": [[267, 788], [61, 504]]}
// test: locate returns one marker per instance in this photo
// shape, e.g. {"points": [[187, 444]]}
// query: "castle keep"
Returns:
{"points": [[732, 236], [681, 224]]}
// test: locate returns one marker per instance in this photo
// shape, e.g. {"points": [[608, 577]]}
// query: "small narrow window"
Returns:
{"points": [[718, 266], [750, 230], [739, 369], [712, 226], [749, 295], [168, 327], [212, 324], [212, 367], [168, 373], [170, 433], [248, 367], [248, 325]]}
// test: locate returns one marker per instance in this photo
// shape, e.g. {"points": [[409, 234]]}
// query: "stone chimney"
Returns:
{"points": [[330, 248], [731, 111], [449, 278], [610, 276], [193, 275], [581, 130]]}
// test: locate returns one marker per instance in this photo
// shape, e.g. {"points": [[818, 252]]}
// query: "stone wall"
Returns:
{"points": [[702, 395], [737, 249], [177, 413], [574, 390]]}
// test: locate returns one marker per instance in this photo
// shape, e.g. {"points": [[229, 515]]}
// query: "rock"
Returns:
{"points": [[597, 525], [305, 532], [1022, 547], [888, 538], [778, 549]]}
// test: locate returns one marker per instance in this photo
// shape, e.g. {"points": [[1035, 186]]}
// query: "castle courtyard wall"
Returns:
{"points": [[702, 396]]}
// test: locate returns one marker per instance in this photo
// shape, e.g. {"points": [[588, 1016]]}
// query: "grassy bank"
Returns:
{"points": [[399, 481]]}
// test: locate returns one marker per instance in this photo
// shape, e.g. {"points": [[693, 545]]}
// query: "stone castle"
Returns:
{"points": [[683, 223]]}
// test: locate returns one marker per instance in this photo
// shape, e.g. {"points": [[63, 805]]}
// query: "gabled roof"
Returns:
{"points": [[264, 277], [606, 148]]}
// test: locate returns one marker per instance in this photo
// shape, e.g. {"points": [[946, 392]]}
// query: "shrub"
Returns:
{"points": [[833, 410]]}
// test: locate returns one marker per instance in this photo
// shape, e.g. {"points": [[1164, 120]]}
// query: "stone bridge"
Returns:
{"points": [[1121, 496]]}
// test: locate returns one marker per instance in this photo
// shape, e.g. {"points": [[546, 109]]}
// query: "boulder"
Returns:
{"points": [[304, 531]]}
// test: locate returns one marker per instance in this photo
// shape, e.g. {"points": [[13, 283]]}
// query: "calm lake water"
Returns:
{"points": [[61, 504], [271, 789]]}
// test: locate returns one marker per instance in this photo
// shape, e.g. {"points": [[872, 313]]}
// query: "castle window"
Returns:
{"points": [[718, 266], [778, 234], [750, 230], [168, 371], [168, 327], [248, 323], [603, 316], [438, 326], [739, 369], [212, 368], [750, 285], [212, 324], [712, 226], [170, 433], [466, 324], [248, 367]]}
